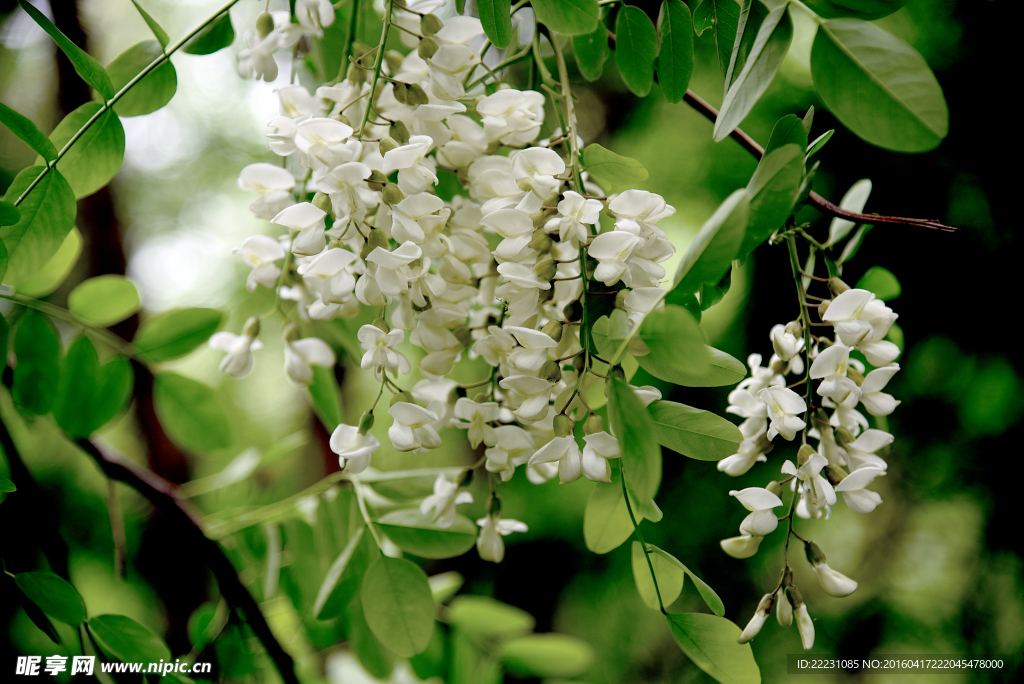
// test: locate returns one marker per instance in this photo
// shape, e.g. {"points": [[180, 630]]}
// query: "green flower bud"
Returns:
{"points": [[417, 96], [482, 398], [401, 92], [265, 24], [545, 268], [464, 335], [355, 75], [815, 556], [617, 373], [382, 324], [855, 375], [292, 333], [377, 177], [822, 308], [573, 311], [365, 250], [365, 422], [578, 363], [393, 58], [795, 329], [322, 202], [804, 455], [843, 437], [774, 487], [553, 329], [392, 194], [564, 425], [377, 238], [795, 597], [837, 286], [387, 143], [594, 424], [541, 241], [427, 47], [430, 24], [252, 328], [550, 371], [835, 474], [360, 49], [620, 299], [402, 396], [399, 132]]}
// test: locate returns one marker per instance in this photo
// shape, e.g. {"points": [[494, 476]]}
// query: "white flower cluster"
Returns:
{"points": [[845, 459], [494, 272]]}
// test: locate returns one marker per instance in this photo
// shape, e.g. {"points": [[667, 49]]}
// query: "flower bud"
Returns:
{"points": [[553, 329], [741, 547], [823, 307], [594, 424], [427, 47], [541, 241], [837, 286], [464, 335], [392, 194], [620, 299], [834, 583], [545, 268], [265, 24], [546, 295], [400, 132], [804, 455], [430, 24], [617, 373], [573, 311], [814, 553], [322, 202], [360, 48], [401, 92], [550, 371], [387, 143], [578, 363], [564, 425], [355, 75], [855, 375], [417, 95], [393, 58], [365, 250], [377, 238], [835, 474], [402, 397], [382, 324], [783, 609], [481, 397], [292, 333], [365, 422], [795, 329], [775, 488], [805, 626], [764, 609], [843, 437], [763, 444], [252, 328]]}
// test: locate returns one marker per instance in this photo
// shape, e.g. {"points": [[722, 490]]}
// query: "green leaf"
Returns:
{"points": [[89, 395], [710, 254], [878, 86], [636, 48], [772, 191], [333, 577], [609, 332], [9, 216], [126, 640], [713, 293], [858, 9], [547, 655], [606, 522], [818, 144], [568, 17], [217, 36], [724, 370], [191, 413], [484, 617], [47, 216], [751, 17], [345, 576], [722, 17], [53, 595], [707, 593], [710, 642], [176, 333], [4, 260], [55, 271], [591, 50], [854, 200], [789, 130], [26, 130], [667, 569], [770, 47], [37, 349], [605, 166], [6, 486], [676, 345], [155, 89], [104, 300], [5, 339], [881, 282], [157, 30], [37, 616], [398, 605], [372, 654], [692, 432], [640, 455], [96, 156], [86, 66], [414, 533], [325, 395], [496, 21], [675, 54]]}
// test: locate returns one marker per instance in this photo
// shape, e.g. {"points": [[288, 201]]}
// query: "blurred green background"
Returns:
{"points": [[939, 562]]}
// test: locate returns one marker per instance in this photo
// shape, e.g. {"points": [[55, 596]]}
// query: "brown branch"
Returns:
{"points": [[822, 204], [164, 496]]}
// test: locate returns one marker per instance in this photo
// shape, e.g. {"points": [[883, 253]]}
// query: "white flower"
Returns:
{"points": [[877, 402], [830, 367], [600, 446], [413, 429], [762, 520], [382, 349], [534, 350], [443, 501], [496, 346], [565, 452], [741, 547], [861, 452], [301, 354], [353, 449], [514, 117], [257, 58], [535, 169], [514, 446], [805, 626], [853, 489], [743, 460], [764, 609], [834, 583], [314, 15], [532, 393], [392, 269], [612, 251], [323, 142], [261, 252], [787, 345], [489, 544], [647, 394], [308, 223], [330, 275], [783, 608], [576, 214], [239, 360], [818, 492], [448, 67], [475, 417], [415, 172], [640, 209], [273, 183], [783, 405]]}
